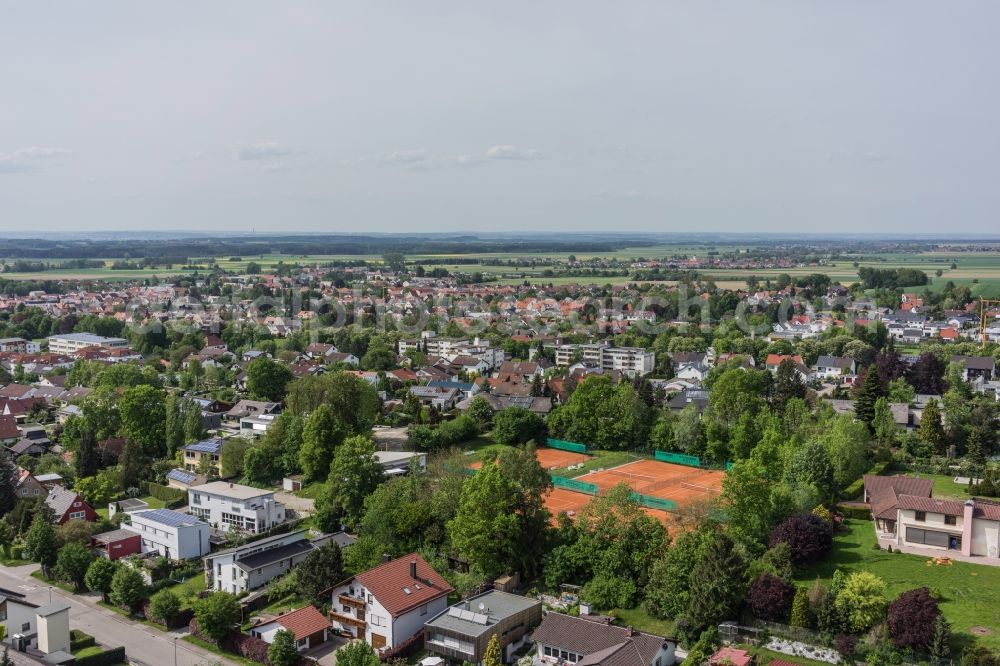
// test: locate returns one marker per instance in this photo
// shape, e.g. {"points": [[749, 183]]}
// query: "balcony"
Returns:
{"points": [[351, 601], [347, 620]]}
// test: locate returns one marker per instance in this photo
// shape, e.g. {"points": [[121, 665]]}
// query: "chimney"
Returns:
{"points": [[628, 631], [413, 569], [967, 511], [386, 557], [230, 485]]}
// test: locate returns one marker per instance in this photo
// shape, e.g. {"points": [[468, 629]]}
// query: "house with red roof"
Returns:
{"points": [[388, 605], [307, 624]]}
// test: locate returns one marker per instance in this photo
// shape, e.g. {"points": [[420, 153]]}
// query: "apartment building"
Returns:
{"points": [[224, 505], [630, 361], [248, 567], [71, 343], [207, 451], [462, 632], [172, 534]]}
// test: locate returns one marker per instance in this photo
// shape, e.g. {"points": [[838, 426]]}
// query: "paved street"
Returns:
{"points": [[142, 644]]}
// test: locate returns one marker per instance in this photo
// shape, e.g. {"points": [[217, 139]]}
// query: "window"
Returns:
{"points": [[302, 643], [920, 516], [933, 538], [78, 515], [77, 505], [377, 620], [3, 615], [195, 498], [26, 626], [951, 520]]}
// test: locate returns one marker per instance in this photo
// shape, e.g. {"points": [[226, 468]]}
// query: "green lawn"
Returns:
{"points": [[66, 587], [945, 486], [639, 619], [188, 590], [215, 649], [88, 651], [968, 592], [765, 657]]}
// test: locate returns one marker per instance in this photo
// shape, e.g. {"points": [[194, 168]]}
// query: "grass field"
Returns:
{"points": [[946, 488], [979, 271], [968, 592]]}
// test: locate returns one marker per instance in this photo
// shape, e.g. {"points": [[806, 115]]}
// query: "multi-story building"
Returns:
{"points": [[631, 361], [388, 605], [564, 639], [248, 567], [226, 505], [19, 345], [172, 534], [208, 451], [462, 632], [71, 343]]}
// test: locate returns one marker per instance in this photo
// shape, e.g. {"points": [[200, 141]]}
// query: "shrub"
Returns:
{"points": [[770, 598], [810, 537], [861, 600], [846, 645], [216, 614], [912, 617], [607, 592], [282, 651], [164, 605]]}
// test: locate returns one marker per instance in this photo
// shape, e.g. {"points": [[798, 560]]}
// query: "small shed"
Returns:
{"points": [[126, 506], [292, 484]]}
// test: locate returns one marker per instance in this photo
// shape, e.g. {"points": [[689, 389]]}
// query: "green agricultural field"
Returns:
{"points": [[967, 592]]}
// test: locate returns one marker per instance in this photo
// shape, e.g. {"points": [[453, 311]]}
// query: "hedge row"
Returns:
{"points": [[173, 497], [856, 489], [79, 640], [106, 658], [856, 512]]}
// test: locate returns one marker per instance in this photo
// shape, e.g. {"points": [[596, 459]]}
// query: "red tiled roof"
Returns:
{"points": [[304, 622], [986, 509], [397, 591], [730, 655], [930, 505], [8, 428]]}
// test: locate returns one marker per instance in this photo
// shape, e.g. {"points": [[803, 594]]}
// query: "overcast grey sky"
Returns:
{"points": [[417, 115]]}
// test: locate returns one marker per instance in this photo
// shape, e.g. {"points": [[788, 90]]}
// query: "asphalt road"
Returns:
{"points": [[143, 645]]}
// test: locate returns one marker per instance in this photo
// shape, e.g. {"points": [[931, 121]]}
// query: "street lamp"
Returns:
{"points": [[175, 650], [50, 594]]}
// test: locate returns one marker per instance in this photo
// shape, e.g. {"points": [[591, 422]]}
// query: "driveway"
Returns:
{"points": [[143, 645], [324, 654], [301, 505]]}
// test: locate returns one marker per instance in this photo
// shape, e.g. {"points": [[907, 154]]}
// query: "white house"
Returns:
{"points": [[250, 566], [388, 605], [172, 534], [18, 616], [223, 505], [833, 367]]}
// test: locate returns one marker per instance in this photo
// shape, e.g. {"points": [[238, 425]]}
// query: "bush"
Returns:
{"points": [[854, 512], [79, 640], [106, 658], [846, 645], [173, 497], [216, 614], [912, 617], [809, 536], [164, 605], [770, 598], [607, 592]]}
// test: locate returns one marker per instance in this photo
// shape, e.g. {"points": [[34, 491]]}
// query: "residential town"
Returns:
{"points": [[448, 472]]}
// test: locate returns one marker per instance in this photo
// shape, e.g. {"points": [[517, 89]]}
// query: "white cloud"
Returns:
{"points": [[509, 152], [41, 153], [261, 151], [24, 160]]}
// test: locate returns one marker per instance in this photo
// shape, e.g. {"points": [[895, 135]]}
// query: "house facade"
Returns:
{"points": [[462, 632], [593, 641], [306, 624], [248, 567], [229, 505], [67, 505], [174, 535], [388, 605]]}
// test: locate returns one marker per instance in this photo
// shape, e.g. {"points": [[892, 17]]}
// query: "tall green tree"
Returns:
{"points": [[322, 568], [86, 458], [143, 418], [72, 563], [357, 653], [267, 380], [869, 393], [194, 426], [320, 436], [128, 587], [931, 430], [717, 584], [40, 542], [787, 384], [217, 615], [99, 575], [354, 474], [8, 486], [173, 424], [282, 651], [884, 424], [485, 530]]}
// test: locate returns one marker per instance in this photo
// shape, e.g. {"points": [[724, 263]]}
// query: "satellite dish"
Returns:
{"points": [[482, 606]]}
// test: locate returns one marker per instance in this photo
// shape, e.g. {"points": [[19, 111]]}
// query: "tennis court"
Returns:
{"points": [[560, 500], [659, 479], [550, 459]]}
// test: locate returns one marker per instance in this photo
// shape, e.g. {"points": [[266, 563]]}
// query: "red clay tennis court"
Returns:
{"points": [[559, 500], [550, 459], [659, 479]]}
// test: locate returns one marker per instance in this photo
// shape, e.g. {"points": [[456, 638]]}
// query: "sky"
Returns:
{"points": [[424, 115]]}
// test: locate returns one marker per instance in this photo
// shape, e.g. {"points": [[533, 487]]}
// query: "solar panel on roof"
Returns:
{"points": [[168, 517], [181, 475]]}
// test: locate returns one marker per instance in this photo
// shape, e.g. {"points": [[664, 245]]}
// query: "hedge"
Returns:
{"points": [[856, 489], [173, 497], [855, 512], [106, 658], [79, 640]]}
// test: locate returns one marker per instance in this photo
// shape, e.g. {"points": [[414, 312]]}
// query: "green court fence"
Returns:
{"points": [[574, 485], [729, 466], [654, 502], [566, 446], [677, 458], [469, 471]]}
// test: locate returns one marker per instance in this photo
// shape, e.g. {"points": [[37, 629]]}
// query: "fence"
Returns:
{"points": [[651, 502], [566, 446], [573, 484], [677, 458]]}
